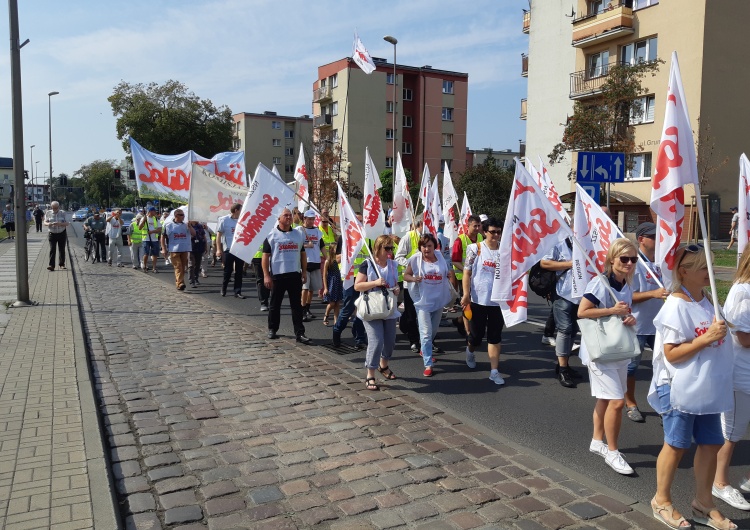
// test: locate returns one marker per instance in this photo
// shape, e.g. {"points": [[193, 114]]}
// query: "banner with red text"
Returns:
{"points": [[424, 188], [372, 211], [362, 57], [300, 175], [163, 177], [401, 208], [463, 221], [265, 200], [545, 184], [450, 202], [743, 206], [212, 196], [352, 239], [231, 166]]}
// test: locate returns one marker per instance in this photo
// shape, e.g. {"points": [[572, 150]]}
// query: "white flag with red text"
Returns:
{"points": [[463, 221], [372, 212], [424, 186], [212, 196], [429, 223], [300, 175], [548, 188], [435, 205], [743, 205], [675, 167], [401, 209], [266, 199], [532, 228], [362, 57], [450, 202], [352, 239]]}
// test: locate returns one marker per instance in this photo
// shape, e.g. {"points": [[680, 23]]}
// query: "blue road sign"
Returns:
{"points": [[600, 167], [594, 190]]}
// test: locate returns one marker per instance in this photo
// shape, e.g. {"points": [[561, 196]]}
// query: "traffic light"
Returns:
{"points": [[118, 173], [26, 174], [131, 174], [63, 180]]}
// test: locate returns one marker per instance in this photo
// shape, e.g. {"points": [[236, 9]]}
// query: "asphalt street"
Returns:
{"points": [[532, 409]]}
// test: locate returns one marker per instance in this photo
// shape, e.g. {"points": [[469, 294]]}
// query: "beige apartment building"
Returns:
{"points": [[712, 54], [273, 140], [429, 107], [503, 157]]}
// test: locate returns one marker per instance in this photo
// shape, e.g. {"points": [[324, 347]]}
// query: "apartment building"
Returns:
{"points": [[503, 158], [272, 139], [7, 180], [417, 111]]}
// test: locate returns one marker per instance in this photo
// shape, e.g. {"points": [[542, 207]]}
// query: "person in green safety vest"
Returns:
{"points": [[329, 234], [458, 255], [407, 247]]}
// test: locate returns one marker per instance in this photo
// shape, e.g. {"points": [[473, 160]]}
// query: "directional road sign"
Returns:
{"points": [[594, 190], [600, 167]]}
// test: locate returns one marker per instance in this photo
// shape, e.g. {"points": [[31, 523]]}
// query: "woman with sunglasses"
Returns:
{"points": [[381, 334], [608, 380], [430, 291], [690, 388]]}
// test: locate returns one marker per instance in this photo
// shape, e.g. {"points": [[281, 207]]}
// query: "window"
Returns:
{"points": [[323, 82], [239, 126], [289, 151], [289, 168], [389, 161], [406, 148], [275, 125], [447, 140], [276, 142], [447, 114], [389, 134], [277, 160], [598, 6], [639, 4], [505, 162], [639, 52], [334, 80], [389, 79], [407, 94], [597, 64], [289, 134], [641, 167], [446, 161], [335, 108], [335, 136], [407, 121], [447, 87], [642, 110], [389, 106]]}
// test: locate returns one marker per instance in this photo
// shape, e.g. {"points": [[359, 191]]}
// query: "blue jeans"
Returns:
{"points": [[643, 341], [347, 309], [428, 322], [381, 336], [566, 313]]}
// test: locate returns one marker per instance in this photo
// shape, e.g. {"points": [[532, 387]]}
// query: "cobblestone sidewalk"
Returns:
{"points": [[211, 425]]}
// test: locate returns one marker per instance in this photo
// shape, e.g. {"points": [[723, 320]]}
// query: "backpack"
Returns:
{"points": [[542, 281]]}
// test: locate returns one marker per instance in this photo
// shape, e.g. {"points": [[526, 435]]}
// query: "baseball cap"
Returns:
{"points": [[645, 229], [152, 209], [310, 213], [733, 209], [483, 217]]}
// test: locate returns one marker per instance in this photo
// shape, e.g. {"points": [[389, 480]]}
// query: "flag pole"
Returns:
{"points": [[707, 250]]}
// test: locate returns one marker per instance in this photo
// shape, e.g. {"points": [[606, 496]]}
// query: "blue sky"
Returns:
{"points": [[251, 55]]}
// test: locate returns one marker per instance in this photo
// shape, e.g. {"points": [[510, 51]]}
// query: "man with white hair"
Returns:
{"points": [[54, 220], [114, 233]]}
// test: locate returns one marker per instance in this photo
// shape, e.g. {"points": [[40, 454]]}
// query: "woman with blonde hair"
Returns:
{"points": [[690, 388], [608, 379]]}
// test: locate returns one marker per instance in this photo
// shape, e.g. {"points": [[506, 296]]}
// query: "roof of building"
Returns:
{"points": [[5, 162], [273, 115], [383, 63]]}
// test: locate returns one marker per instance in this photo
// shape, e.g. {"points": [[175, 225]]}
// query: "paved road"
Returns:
{"points": [[532, 409]]}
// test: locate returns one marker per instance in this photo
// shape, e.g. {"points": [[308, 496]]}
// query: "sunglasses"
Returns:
{"points": [[692, 249], [626, 259], [388, 248], [495, 232]]}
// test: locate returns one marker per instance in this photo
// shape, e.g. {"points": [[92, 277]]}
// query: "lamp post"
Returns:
{"points": [[394, 41], [49, 98], [31, 163]]}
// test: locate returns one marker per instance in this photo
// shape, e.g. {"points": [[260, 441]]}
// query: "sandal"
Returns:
{"points": [[665, 514], [387, 373], [325, 321], [702, 515], [370, 384]]}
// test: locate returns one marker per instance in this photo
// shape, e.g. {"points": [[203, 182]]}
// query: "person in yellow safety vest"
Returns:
{"points": [[407, 247], [329, 234], [263, 292]]}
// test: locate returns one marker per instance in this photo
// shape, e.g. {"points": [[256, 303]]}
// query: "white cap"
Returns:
{"points": [[310, 213], [483, 217]]}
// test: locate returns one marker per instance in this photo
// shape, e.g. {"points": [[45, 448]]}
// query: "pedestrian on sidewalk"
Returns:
{"points": [[9, 221], [313, 250], [150, 227], [380, 272], [54, 220], [734, 230], [196, 254], [114, 233], [135, 240], [333, 288], [178, 236], [231, 263], [96, 225], [38, 215], [690, 388], [284, 271]]}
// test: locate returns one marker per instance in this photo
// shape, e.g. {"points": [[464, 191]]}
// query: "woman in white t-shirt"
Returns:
{"points": [[608, 380], [690, 388], [734, 422], [430, 292]]}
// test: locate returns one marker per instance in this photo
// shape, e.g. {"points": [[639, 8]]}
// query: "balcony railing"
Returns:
{"points": [[524, 65], [588, 82], [523, 109], [321, 93], [612, 22], [526, 21], [324, 120]]}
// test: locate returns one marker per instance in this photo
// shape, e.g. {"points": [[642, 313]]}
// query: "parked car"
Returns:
{"points": [[127, 219], [80, 215]]}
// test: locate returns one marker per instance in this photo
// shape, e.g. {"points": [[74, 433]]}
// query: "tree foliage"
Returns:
{"points": [[488, 187], [386, 192], [98, 179], [603, 124], [169, 119], [72, 193], [708, 155]]}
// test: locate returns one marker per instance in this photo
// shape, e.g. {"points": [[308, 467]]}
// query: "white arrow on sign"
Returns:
{"points": [[618, 163], [584, 169], [603, 172]]}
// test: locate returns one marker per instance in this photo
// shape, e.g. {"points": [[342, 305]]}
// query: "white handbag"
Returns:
{"points": [[607, 339], [377, 304]]}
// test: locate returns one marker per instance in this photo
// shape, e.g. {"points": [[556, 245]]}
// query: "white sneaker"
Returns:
{"points": [[575, 347], [495, 378], [731, 496], [745, 484], [615, 460], [598, 447], [471, 361], [549, 341]]}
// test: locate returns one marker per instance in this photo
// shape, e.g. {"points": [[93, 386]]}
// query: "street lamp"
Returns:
{"points": [[49, 97], [394, 41], [31, 163]]}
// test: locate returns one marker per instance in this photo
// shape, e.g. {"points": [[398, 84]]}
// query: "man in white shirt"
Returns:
{"points": [[54, 220], [313, 249], [114, 233], [224, 237]]}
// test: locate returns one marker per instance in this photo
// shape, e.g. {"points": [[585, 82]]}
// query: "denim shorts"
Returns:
{"points": [[681, 428], [643, 341], [151, 248]]}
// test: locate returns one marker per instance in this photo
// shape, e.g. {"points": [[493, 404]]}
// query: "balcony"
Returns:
{"points": [[526, 21], [324, 120], [322, 93], [523, 109], [614, 21], [586, 83], [524, 65]]}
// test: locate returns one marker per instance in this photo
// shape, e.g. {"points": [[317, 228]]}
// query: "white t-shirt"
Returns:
{"points": [[389, 272], [114, 228], [645, 312], [312, 235], [481, 263], [226, 227], [737, 311], [599, 292], [285, 249], [428, 294], [564, 287], [179, 237]]}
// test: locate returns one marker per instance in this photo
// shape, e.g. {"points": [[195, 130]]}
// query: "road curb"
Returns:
{"points": [[101, 482]]}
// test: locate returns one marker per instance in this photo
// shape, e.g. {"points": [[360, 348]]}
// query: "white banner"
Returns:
{"points": [[231, 166], [265, 201], [463, 222], [300, 175], [545, 184], [372, 212], [435, 205], [450, 202], [165, 177], [352, 239], [743, 205], [362, 57], [424, 187], [401, 209], [212, 196]]}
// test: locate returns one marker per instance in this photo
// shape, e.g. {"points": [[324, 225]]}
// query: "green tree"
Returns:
{"points": [[488, 187], [386, 192], [99, 182], [169, 119]]}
